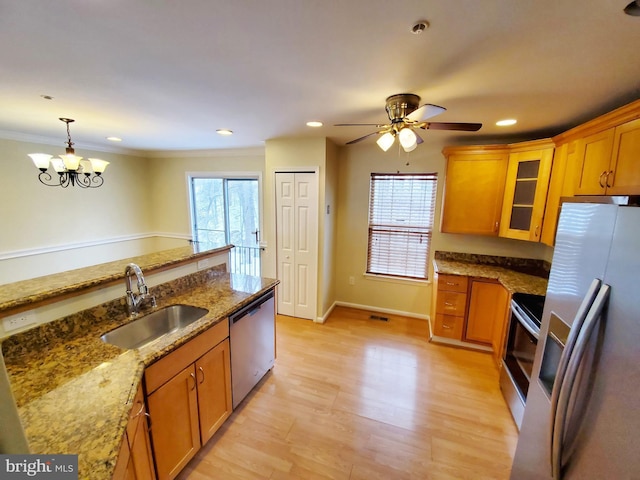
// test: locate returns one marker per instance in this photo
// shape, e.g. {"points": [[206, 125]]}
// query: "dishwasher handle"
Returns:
{"points": [[250, 309]]}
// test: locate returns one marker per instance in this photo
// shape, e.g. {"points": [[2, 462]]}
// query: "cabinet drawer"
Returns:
{"points": [[452, 283], [451, 303], [169, 366], [448, 326]]}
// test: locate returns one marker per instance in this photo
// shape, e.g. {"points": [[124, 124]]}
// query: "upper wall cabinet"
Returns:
{"points": [[474, 189], [609, 161], [525, 191]]}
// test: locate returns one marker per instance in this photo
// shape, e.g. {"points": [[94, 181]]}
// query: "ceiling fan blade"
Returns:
{"points": [[377, 125], [463, 127], [361, 138], [427, 110]]}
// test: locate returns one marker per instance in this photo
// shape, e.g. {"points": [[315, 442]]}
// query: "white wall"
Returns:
{"points": [[355, 167]]}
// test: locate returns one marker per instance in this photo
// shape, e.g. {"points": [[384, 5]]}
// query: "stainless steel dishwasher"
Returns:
{"points": [[252, 338]]}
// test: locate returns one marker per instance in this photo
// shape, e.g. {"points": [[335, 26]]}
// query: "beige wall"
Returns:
{"points": [[355, 167], [39, 222], [314, 154], [169, 191], [148, 197]]}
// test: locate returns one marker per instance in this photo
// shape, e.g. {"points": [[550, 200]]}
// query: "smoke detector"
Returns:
{"points": [[419, 27]]}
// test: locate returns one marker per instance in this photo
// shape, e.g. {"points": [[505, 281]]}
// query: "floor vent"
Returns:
{"points": [[378, 317]]}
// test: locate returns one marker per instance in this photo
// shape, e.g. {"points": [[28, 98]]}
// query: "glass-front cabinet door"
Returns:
{"points": [[526, 191]]}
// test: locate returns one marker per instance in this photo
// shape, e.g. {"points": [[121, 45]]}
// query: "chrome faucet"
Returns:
{"points": [[135, 300]]}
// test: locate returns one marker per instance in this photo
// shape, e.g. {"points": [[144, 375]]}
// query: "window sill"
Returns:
{"points": [[404, 281]]}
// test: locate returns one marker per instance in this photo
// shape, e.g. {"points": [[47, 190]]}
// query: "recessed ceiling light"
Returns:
{"points": [[314, 124], [506, 122], [224, 131], [47, 97], [114, 139]]}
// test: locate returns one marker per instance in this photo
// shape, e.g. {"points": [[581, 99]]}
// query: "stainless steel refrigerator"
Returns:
{"points": [[582, 415]]}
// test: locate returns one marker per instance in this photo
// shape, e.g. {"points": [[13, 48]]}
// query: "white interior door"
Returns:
{"points": [[297, 240]]}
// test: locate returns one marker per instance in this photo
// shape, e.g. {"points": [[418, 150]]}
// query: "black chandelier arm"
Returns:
{"points": [[65, 179], [45, 177]]}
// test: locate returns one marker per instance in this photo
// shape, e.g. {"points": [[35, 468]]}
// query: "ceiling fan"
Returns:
{"points": [[405, 116]]}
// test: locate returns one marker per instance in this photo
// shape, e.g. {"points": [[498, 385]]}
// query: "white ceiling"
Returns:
{"points": [[164, 75]]}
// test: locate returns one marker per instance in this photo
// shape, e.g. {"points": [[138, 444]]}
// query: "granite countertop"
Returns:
{"points": [[36, 290], [507, 273], [74, 392]]}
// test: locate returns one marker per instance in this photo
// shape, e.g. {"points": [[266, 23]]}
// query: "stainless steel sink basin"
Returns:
{"points": [[143, 330]]}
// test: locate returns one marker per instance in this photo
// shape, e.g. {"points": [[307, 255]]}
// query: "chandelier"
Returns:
{"points": [[71, 169]]}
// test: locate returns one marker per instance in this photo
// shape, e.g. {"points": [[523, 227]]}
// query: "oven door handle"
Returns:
{"points": [[567, 351], [525, 322]]}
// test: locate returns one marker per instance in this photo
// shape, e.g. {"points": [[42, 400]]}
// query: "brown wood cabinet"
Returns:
{"points": [[561, 185], [488, 307], [451, 304], [608, 161], [135, 460], [189, 397], [525, 192], [474, 189]]}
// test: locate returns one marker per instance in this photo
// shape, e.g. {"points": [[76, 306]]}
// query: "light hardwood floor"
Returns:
{"points": [[364, 399]]}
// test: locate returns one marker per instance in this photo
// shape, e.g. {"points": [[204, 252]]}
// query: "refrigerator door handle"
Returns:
{"points": [[577, 324], [566, 388]]}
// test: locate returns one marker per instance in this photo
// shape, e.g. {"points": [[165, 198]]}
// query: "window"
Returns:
{"points": [[401, 210], [224, 211]]}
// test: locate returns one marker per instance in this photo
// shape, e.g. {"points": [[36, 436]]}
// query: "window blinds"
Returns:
{"points": [[401, 211]]}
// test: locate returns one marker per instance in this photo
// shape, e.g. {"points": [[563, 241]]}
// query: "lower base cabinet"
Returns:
{"points": [[487, 314], [189, 397], [135, 461]]}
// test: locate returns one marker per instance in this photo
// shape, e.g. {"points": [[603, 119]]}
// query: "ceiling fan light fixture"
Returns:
{"points": [[385, 141], [408, 139]]}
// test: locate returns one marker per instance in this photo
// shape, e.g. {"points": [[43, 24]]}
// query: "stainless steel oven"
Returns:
{"points": [[522, 340]]}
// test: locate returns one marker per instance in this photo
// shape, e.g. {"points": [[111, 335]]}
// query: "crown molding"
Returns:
{"points": [[206, 153]]}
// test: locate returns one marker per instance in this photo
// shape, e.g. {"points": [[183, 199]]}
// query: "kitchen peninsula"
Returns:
{"points": [[74, 392]]}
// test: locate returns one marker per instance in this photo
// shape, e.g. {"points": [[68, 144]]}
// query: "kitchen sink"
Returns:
{"points": [[143, 330]]}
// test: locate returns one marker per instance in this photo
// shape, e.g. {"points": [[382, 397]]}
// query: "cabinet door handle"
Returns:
{"points": [[495, 227], [449, 304], [600, 179], [607, 181], [453, 284], [202, 372], [193, 375], [447, 326], [537, 231]]}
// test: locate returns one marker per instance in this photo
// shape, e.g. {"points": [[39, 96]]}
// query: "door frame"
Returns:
{"points": [[228, 175]]}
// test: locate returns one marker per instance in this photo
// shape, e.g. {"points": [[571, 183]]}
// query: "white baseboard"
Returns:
{"points": [[378, 309], [326, 315]]}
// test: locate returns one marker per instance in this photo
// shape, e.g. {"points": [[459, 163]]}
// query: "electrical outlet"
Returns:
{"points": [[19, 320], [352, 281]]}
